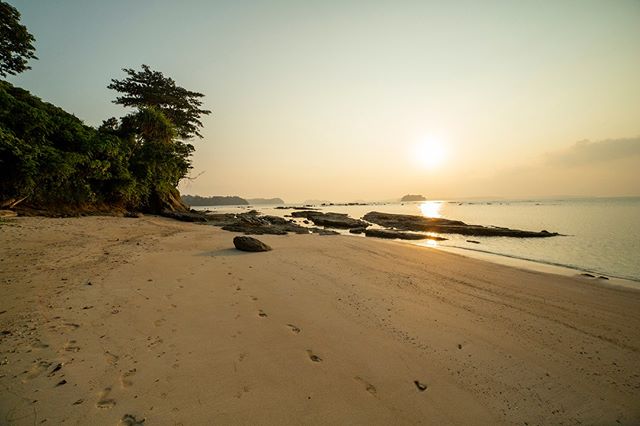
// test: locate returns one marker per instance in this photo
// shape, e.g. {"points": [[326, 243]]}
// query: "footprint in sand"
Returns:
{"points": [[313, 357], [368, 386], [72, 325], [104, 401], [129, 420], [294, 328], [71, 347], [36, 370], [245, 389], [39, 345], [111, 358], [262, 314], [125, 382]]}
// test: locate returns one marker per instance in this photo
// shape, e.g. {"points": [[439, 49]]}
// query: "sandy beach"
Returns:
{"points": [[107, 320]]}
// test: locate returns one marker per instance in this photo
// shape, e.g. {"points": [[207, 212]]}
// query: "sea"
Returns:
{"points": [[600, 236]]}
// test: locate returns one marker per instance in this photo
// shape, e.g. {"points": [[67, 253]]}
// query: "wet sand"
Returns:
{"points": [[111, 320]]}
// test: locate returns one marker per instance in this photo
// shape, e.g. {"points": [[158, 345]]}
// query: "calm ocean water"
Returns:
{"points": [[600, 236]]}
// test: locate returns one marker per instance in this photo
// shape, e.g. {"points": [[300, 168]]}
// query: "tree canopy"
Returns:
{"points": [[16, 43], [149, 88]]}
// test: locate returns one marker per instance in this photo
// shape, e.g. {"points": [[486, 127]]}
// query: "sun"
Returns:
{"points": [[431, 153]]}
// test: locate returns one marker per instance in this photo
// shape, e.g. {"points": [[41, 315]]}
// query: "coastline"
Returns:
{"points": [[599, 242], [540, 266], [164, 320]]}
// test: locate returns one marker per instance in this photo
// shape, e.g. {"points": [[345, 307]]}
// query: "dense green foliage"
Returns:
{"points": [[16, 43], [148, 88], [50, 157]]}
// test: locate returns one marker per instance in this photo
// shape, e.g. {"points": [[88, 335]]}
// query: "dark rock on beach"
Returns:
{"points": [[250, 244], [252, 223], [405, 222], [331, 220], [189, 216], [357, 230], [385, 233]]}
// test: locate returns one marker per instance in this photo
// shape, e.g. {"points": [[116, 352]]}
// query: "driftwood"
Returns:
{"points": [[11, 202]]}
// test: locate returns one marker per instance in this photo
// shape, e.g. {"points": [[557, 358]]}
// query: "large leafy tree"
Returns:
{"points": [[148, 88], [16, 43], [165, 116]]}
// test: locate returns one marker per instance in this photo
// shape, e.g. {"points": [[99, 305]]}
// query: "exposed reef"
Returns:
{"points": [[401, 235], [331, 220], [405, 222]]}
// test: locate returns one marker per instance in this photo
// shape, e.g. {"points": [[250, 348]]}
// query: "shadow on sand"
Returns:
{"points": [[223, 252]]}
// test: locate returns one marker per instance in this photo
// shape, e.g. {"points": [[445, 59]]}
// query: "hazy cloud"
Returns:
{"points": [[586, 152]]}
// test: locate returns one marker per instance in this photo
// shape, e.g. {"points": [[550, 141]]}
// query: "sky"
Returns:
{"points": [[369, 100]]}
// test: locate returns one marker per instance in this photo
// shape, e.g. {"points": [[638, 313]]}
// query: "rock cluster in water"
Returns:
{"points": [[400, 226], [331, 220], [405, 222], [252, 223]]}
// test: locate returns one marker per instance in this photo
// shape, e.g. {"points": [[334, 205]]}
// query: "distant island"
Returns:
{"points": [[413, 197], [214, 200], [265, 201]]}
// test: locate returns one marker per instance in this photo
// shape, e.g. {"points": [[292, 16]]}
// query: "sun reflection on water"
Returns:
{"points": [[431, 208], [430, 243]]}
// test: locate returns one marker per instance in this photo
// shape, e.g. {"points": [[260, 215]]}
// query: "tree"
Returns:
{"points": [[151, 89], [16, 43]]}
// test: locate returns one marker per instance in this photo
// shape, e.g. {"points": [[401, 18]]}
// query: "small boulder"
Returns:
{"points": [[250, 244]]}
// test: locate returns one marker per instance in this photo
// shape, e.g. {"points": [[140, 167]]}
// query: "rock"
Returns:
{"points": [[405, 222], [250, 244], [473, 241], [421, 386], [133, 214], [331, 220], [357, 230], [188, 216], [252, 223], [386, 233], [8, 213]]}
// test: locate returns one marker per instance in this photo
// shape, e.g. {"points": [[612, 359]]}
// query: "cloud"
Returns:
{"points": [[586, 152]]}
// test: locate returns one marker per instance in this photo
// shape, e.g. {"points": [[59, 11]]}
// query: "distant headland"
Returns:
{"points": [[231, 200]]}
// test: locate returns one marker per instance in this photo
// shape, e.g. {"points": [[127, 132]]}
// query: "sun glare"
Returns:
{"points": [[430, 154], [431, 208]]}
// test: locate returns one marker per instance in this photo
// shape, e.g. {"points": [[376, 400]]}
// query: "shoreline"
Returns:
{"points": [[578, 251], [105, 317], [514, 261], [541, 266]]}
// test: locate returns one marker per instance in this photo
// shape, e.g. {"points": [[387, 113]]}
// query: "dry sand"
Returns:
{"points": [[104, 318]]}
